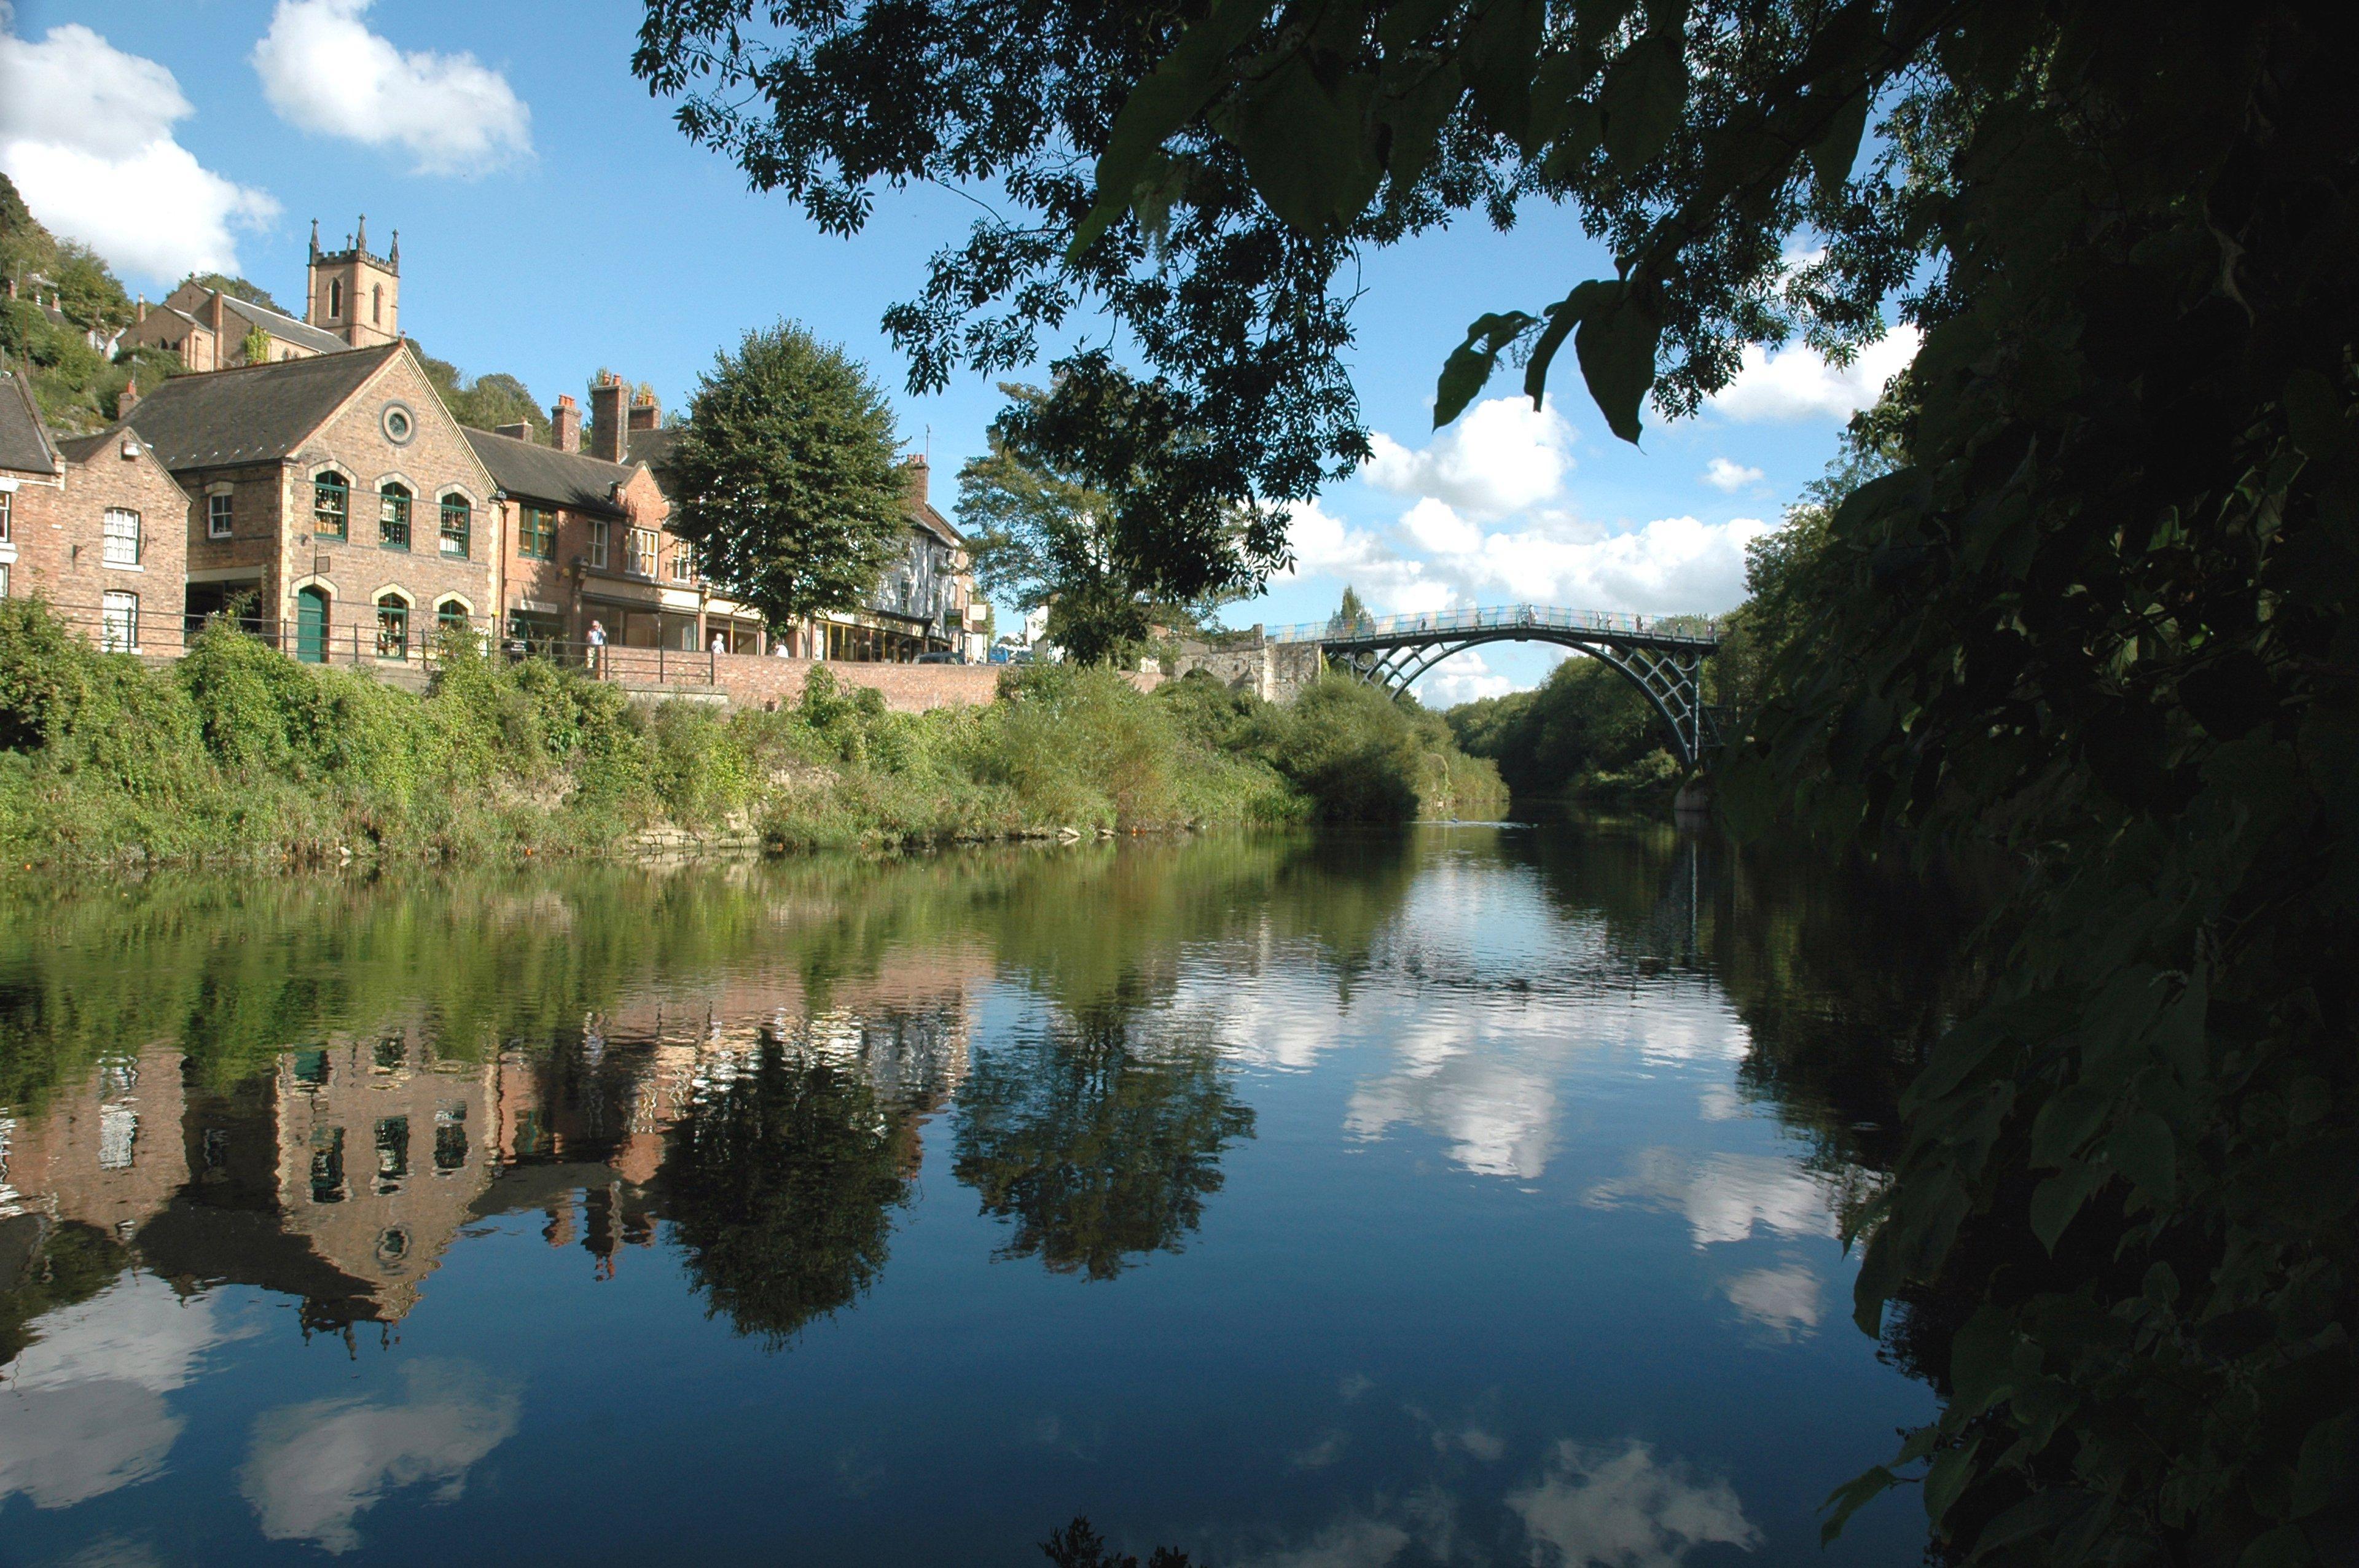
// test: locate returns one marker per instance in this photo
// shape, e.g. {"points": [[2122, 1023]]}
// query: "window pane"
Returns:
{"points": [[7, 505], [121, 546], [119, 622], [327, 498], [392, 629], [218, 516], [458, 521], [598, 545]]}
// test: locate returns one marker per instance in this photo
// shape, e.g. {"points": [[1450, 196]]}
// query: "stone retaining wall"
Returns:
{"points": [[754, 681]]}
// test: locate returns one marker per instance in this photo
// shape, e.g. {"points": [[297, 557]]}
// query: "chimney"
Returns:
{"points": [[220, 328], [142, 316], [519, 431], [606, 419], [566, 436], [126, 397], [645, 413], [915, 474]]}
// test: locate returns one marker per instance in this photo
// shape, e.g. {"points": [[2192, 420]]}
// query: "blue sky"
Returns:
{"points": [[553, 222]]}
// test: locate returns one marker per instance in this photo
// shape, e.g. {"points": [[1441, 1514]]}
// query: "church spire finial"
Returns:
{"points": [[360, 236], [315, 239], [392, 259]]}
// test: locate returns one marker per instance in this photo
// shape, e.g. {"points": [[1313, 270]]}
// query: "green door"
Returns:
{"points": [[311, 626]]}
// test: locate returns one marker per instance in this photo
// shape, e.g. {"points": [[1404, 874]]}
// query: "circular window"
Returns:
{"points": [[399, 423]]}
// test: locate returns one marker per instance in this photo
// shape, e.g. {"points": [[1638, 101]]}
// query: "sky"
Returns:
{"points": [[554, 221]]}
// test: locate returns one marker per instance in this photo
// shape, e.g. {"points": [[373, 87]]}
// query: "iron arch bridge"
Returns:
{"points": [[1661, 656]]}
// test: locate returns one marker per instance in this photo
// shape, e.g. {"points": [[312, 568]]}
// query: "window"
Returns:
{"points": [[393, 517], [536, 540], [122, 537], [451, 616], [598, 545], [7, 498], [219, 514], [458, 522], [335, 300], [376, 303], [639, 552], [4, 580], [392, 628], [118, 622], [329, 498], [328, 1164], [683, 562]]}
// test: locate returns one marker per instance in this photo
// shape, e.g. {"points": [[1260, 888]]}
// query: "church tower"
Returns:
{"points": [[355, 295]]}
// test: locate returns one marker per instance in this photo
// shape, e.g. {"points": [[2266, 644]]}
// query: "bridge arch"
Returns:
{"points": [[1664, 660]]}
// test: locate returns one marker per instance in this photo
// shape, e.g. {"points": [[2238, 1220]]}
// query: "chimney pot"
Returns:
{"points": [[565, 422]]}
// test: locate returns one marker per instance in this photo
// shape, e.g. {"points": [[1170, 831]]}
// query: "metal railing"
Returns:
{"points": [[1499, 618]]}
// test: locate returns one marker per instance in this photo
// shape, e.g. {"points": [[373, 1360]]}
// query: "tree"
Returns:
{"points": [[786, 476], [1348, 613], [255, 348], [486, 402], [2101, 610], [1058, 515]]}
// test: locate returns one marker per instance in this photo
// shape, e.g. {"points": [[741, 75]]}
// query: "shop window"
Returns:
{"points": [[458, 522], [393, 517], [331, 504]]}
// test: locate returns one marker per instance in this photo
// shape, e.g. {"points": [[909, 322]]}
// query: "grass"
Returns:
{"points": [[236, 754]]}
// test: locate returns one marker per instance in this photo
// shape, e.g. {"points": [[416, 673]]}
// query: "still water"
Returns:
{"points": [[1471, 1196]]}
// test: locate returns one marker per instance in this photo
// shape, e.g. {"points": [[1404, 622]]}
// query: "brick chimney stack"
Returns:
{"points": [[566, 422], [647, 414], [125, 399], [519, 431], [143, 309], [606, 418], [916, 475]]}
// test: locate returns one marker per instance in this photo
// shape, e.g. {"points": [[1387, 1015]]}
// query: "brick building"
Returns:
{"points": [[352, 300], [94, 525], [335, 494]]}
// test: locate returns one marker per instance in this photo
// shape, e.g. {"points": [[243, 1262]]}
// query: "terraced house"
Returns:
{"points": [[332, 498]]}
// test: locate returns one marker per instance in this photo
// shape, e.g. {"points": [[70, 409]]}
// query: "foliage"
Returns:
{"points": [[2101, 613], [486, 402], [75, 385], [254, 349], [1584, 731], [1078, 1545], [780, 1187], [787, 478], [1059, 514], [1349, 612], [1098, 1147], [1365, 755]]}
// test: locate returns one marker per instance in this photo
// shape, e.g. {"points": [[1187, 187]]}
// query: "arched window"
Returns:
{"points": [[376, 303], [458, 521], [335, 300], [450, 615], [392, 627], [393, 517], [330, 503]]}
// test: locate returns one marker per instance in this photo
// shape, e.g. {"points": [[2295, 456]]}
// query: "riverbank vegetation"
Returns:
{"points": [[237, 753]]}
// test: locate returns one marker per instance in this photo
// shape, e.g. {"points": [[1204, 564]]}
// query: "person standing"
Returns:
{"points": [[596, 639]]}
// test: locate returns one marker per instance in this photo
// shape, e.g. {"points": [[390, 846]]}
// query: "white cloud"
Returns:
{"points": [[1722, 475], [1599, 1508], [1388, 582], [1724, 1196], [86, 133], [1503, 457], [323, 70], [1799, 383], [314, 1467], [1784, 1299]]}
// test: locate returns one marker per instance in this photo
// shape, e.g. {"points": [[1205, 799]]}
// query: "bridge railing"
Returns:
{"points": [[1538, 617]]}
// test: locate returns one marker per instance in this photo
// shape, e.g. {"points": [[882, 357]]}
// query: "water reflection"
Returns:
{"points": [[437, 1124]]}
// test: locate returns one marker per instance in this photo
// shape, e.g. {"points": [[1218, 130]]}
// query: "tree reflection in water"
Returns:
{"points": [[1100, 1145], [780, 1187]]}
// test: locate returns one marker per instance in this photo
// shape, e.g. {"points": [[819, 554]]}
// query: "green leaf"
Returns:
{"points": [[1582, 129], [1616, 341], [2144, 1149], [2055, 1201], [1503, 40], [1953, 1469], [1832, 154], [2288, 1546], [1180, 86], [1851, 1497], [1470, 362], [2314, 414], [1414, 99], [1410, 20], [1305, 144], [1641, 98], [1562, 317], [2070, 1119]]}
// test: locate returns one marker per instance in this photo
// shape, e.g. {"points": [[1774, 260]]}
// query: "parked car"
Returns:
{"points": [[942, 657]]}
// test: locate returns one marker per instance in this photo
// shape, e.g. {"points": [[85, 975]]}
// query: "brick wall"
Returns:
{"points": [[59, 532], [751, 681]]}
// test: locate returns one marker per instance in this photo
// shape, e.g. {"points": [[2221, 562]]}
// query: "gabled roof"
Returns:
{"points": [[530, 471], [25, 443], [928, 521], [286, 328], [252, 412]]}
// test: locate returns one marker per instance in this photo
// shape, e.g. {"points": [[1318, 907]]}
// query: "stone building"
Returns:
{"points": [[334, 495], [352, 300], [95, 526]]}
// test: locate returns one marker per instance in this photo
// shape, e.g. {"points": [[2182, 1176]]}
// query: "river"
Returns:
{"points": [[1466, 1197]]}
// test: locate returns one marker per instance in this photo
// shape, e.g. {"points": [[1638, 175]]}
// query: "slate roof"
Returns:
{"points": [[530, 471], [652, 447], [25, 443], [928, 520], [250, 413], [286, 328]]}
